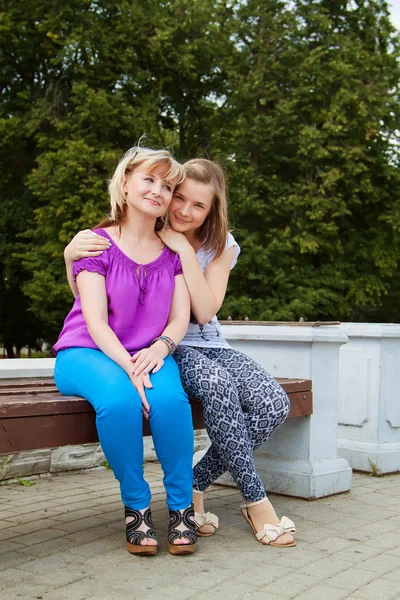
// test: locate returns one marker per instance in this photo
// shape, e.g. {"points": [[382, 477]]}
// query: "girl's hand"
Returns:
{"points": [[176, 241], [86, 243], [149, 359]]}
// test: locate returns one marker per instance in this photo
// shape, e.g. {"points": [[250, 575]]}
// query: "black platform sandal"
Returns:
{"points": [[134, 537], [177, 518]]}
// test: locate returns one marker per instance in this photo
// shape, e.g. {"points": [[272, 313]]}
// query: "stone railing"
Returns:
{"points": [[369, 397], [353, 367]]}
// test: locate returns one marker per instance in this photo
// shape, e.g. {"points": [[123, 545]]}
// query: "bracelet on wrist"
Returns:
{"points": [[167, 340]]}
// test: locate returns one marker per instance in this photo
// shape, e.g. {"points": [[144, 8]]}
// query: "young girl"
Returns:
{"points": [[243, 405], [132, 310]]}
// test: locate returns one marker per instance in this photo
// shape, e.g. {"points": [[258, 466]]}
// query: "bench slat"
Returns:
{"points": [[34, 415]]}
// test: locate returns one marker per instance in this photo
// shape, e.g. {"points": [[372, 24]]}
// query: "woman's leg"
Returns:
{"points": [[172, 430], [91, 374]]}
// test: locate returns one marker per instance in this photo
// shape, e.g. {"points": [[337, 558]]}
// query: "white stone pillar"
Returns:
{"points": [[369, 397], [301, 458]]}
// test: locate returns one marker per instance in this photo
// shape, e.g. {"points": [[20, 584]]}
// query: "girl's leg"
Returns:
{"points": [[119, 419], [265, 406], [231, 449], [264, 403]]}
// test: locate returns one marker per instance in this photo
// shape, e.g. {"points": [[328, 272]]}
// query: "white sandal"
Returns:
{"points": [[270, 533], [207, 518]]}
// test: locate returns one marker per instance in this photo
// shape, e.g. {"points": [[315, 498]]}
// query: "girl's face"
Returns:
{"points": [[190, 206], [149, 192]]}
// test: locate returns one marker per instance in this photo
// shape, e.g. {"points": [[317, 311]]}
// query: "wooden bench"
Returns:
{"points": [[34, 415]]}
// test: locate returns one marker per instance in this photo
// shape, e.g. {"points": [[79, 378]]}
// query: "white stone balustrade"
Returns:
{"points": [[301, 458], [369, 397]]}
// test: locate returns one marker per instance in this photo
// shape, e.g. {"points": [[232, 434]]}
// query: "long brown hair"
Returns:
{"points": [[147, 159], [213, 231]]}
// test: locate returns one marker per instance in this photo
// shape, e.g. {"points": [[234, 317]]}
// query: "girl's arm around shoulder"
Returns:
{"points": [[85, 243]]}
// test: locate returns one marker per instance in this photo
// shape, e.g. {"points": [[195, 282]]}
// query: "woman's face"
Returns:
{"points": [[190, 206], [149, 192]]}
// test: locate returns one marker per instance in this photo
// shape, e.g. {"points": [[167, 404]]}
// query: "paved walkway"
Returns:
{"points": [[63, 539]]}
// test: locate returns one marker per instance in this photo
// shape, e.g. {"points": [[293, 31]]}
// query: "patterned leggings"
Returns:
{"points": [[243, 406]]}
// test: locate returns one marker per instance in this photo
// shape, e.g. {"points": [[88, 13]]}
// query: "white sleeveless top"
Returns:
{"points": [[210, 334]]}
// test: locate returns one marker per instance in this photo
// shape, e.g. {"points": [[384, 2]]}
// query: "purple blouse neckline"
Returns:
{"points": [[128, 262]]}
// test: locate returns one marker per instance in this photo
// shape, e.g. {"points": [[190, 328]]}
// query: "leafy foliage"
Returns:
{"points": [[299, 100]]}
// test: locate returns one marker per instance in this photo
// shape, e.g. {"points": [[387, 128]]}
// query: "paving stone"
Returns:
{"points": [[265, 574], [393, 575], [8, 546], [323, 592], [232, 590], [377, 528], [351, 579], [330, 545], [12, 576], [37, 537], [33, 526], [318, 537], [50, 563], [299, 558], [379, 589], [7, 534], [81, 524], [7, 514], [32, 515], [325, 567], [380, 564], [387, 541], [11, 559], [358, 553], [96, 547], [49, 547], [291, 585], [62, 576], [137, 589], [26, 591], [328, 563]]}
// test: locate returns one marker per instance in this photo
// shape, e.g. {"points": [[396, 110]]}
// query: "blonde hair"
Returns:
{"points": [[148, 160], [213, 231]]}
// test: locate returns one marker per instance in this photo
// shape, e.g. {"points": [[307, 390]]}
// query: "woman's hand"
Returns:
{"points": [[149, 359], [85, 243], [176, 241], [140, 383]]}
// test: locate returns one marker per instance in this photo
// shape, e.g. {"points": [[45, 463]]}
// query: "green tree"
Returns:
{"points": [[315, 182], [299, 100], [77, 94]]}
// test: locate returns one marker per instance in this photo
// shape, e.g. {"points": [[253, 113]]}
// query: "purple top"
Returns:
{"points": [[139, 298]]}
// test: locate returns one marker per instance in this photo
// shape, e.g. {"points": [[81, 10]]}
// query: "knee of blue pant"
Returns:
{"points": [[117, 403], [168, 400], [167, 387]]}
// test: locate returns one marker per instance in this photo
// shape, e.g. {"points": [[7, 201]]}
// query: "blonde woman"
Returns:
{"points": [[131, 312], [243, 405]]}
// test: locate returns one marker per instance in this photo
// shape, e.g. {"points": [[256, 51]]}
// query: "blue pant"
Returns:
{"points": [[119, 420]]}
